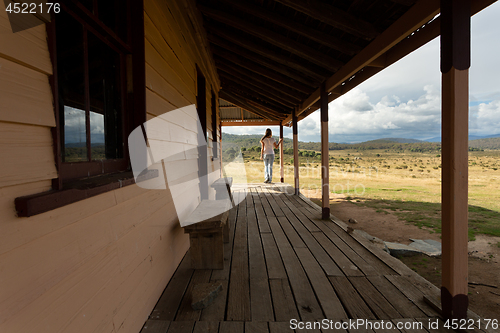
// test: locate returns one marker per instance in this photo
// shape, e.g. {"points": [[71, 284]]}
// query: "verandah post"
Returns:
{"points": [[282, 170], [295, 151], [325, 175], [455, 63]]}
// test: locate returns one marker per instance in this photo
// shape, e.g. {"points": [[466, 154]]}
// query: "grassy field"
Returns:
{"points": [[406, 183]]}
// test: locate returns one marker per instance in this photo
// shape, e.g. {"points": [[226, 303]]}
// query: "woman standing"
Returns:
{"points": [[267, 154]]}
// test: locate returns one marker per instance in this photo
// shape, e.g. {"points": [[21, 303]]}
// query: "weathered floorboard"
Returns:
{"points": [[260, 296], [292, 265]]}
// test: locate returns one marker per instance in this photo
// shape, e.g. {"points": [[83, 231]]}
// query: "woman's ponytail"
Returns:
{"points": [[268, 134]]}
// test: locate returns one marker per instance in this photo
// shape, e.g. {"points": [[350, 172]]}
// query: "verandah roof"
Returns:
{"points": [[272, 55]]}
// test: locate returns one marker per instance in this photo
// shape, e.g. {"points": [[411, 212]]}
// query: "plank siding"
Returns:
{"points": [[101, 264], [28, 47], [25, 95]]}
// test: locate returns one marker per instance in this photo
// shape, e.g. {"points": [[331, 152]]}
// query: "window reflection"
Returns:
{"points": [[75, 143], [97, 136]]}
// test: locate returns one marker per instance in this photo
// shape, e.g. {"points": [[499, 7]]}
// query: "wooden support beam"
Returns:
{"points": [[325, 175], [379, 62], [297, 65], [282, 168], [262, 61], [267, 73], [455, 63], [285, 43], [333, 16], [295, 151], [318, 36], [254, 90]]}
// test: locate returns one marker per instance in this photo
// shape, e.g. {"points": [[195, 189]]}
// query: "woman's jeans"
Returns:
{"points": [[268, 166]]}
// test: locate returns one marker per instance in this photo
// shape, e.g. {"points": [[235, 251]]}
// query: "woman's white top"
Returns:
{"points": [[269, 145]]}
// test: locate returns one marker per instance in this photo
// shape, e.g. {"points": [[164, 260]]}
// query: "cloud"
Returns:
{"points": [[360, 103], [388, 117], [485, 118]]}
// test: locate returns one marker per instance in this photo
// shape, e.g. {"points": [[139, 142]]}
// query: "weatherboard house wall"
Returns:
{"points": [[100, 264]]}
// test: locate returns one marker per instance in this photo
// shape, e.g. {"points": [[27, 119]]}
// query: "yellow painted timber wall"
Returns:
{"points": [[98, 265]]}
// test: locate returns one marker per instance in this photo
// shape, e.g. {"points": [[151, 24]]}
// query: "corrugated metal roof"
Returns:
{"points": [[229, 111]]}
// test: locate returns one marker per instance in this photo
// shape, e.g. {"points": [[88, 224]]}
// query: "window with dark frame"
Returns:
{"points": [[99, 91], [92, 48]]}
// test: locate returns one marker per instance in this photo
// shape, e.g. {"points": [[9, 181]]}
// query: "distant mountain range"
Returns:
{"points": [[397, 140], [471, 137], [475, 141], [481, 142]]}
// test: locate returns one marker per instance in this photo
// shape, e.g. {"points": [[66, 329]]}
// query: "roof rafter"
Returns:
{"points": [[299, 28], [260, 60], [262, 71], [269, 54], [259, 99], [333, 16], [256, 89], [285, 43], [260, 81]]}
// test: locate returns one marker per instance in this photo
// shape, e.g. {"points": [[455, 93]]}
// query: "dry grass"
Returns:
{"points": [[376, 176]]}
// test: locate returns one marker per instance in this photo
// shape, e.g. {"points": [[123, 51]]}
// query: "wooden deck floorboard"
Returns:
{"points": [[283, 262]]}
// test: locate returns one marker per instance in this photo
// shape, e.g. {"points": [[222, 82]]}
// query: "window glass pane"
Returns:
{"points": [[105, 98], [97, 136], [75, 148], [71, 78]]}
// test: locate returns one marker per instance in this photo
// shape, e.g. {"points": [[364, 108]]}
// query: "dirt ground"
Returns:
{"points": [[484, 254]]}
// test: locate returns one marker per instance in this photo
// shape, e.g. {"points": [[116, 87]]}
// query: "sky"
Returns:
{"points": [[404, 100]]}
